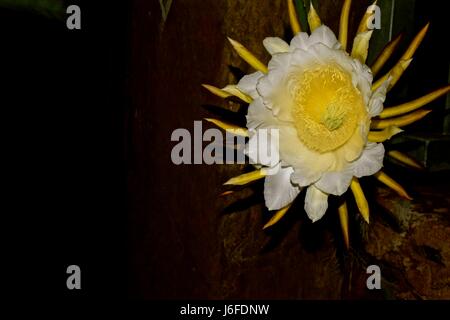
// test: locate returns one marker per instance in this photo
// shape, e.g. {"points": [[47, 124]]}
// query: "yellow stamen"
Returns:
{"points": [[277, 216], [395, 74], [403, 158], [343, 25], [363, 25], [385, 54], [234, 90], [415, 43], [229, 127], [313, 18], [414, 104], [399, 121], [343, 217], [361, 46], [295, 25], [226, 193], [383, 135], [360, 199], [248, 56], [216, 91], [397, 71], [391, 183], [246, 178]]}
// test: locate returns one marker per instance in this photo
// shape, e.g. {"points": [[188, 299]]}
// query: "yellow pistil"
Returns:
{"points": [[360, 199], [391, 183], [249, 57], [414, 104], [277, 216], [246, 178], [313, 18], [403, 158], [229, 127], [399, 121], [295, 25], [328, 108], [343, 24], [343, 218]]}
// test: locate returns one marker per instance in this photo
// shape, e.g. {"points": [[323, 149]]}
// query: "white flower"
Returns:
{"points": [[320, 100]]}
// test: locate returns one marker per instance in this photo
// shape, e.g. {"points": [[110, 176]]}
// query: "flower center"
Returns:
{"points": [[333, 117], [328, 108]]}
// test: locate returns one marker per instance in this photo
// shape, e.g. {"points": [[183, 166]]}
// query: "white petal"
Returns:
{"points": [[362, 79], [377, 99], [324, 35], [320, 53], [275, 45], [305, 177], [371, 160], [300, 41], [251, 149], [335, 182], [263, 148], [273, 87], [316, 203], [280, 61], [258, 115], [248, 83], [278, 189]]}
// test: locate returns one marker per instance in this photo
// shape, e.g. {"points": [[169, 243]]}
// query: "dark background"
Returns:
{"points": [[64, 97], [88, 116]]}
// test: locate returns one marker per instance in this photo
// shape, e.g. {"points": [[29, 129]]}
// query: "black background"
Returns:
{"points": [[63, 102]]}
